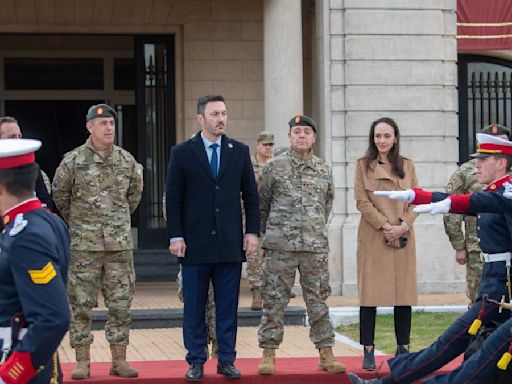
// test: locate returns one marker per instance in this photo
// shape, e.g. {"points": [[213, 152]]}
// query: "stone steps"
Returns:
{"points": [[155, 265], [173, 317]]}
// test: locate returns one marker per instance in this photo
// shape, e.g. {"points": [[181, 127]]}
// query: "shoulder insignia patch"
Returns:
{"points": [[44, 275], [508, 190], [19, 225]]}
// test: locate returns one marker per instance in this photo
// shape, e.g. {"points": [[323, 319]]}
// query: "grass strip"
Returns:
{"points": [[426, 327]]}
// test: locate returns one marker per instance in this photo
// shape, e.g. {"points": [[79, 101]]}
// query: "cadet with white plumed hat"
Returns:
{"points": [[34, 257]]}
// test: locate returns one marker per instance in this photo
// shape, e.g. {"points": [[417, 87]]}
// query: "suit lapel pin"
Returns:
{"points": [[230, 145]]}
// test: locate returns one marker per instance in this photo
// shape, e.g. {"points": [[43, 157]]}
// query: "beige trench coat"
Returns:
{"points": [[386, 276]]}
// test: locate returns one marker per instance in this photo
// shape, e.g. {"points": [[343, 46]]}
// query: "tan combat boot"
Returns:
{"points": [[83, 361], [119, 365], [257, 303], [328, 362], [268, 362]]}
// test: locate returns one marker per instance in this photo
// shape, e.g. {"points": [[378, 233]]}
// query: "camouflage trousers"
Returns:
{"points": [[474, 268], [278, 275], [114, 272], [325, 287], [254, 264], [210, 308]]}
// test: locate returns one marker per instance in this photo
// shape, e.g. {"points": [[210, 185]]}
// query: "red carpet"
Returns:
{"points": [[289, 371]]}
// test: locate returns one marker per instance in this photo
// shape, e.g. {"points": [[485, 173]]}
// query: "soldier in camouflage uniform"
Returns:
{"points": [[96, 187], [279, 151], [264, 149], [463, 238], [296, 194]]}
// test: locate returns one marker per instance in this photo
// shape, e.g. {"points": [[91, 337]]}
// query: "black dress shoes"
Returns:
{"points": [[354, 379], [228, 370], [195, 372]]}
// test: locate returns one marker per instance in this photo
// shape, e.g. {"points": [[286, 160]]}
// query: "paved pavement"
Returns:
{"points": [[165, 344]]}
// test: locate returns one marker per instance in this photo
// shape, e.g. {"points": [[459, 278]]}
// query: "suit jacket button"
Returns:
{"points": [[213, 232], [217, 187], [217, 210]]}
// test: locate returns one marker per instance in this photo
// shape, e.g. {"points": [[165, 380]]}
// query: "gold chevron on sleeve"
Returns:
{"points": [[44, 275]]}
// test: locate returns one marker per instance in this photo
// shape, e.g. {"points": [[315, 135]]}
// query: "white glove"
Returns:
{"points": [[408, 195], [442, 206]]}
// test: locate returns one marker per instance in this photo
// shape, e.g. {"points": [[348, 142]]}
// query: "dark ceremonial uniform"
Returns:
{"points": [[34, 309], [42, 194], [494, 229]]}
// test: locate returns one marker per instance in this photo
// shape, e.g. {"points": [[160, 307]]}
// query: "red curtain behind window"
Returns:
{"points": [[484, 25]]}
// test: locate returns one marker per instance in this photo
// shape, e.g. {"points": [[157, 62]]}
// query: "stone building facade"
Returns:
{"points": [[344, 62]]}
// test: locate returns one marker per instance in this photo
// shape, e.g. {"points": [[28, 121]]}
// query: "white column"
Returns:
{"points": [[282, 30]]}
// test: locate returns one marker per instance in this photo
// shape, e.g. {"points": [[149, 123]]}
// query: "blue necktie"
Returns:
{"points": [[214, 161]]}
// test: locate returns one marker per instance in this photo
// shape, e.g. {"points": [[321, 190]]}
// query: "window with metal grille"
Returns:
{"points": [[485, 97]]}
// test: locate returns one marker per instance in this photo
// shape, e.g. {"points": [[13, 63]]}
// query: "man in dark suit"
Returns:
{"points": [[205, 178]]}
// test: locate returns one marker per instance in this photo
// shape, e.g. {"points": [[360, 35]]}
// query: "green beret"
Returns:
{"points": [[496, 129], [265, 137], [100, 110], [302, 120]]}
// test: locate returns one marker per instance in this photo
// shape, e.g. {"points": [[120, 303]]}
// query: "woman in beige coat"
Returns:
{"points": [[386, 254]]}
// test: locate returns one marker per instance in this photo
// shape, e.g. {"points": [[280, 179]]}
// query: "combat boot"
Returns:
{"points": [[83, 362], [328, 362], [268, 362], [119, 365], [257, 303]]}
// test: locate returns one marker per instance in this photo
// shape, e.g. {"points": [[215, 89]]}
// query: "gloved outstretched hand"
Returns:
{"points": [[440, 207], [408, 195]]}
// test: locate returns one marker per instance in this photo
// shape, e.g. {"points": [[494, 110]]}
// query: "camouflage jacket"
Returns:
{"points": [[257, 174], [47, 182], [463, 181], [257, 167], [97, 196], [296, 195]]}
